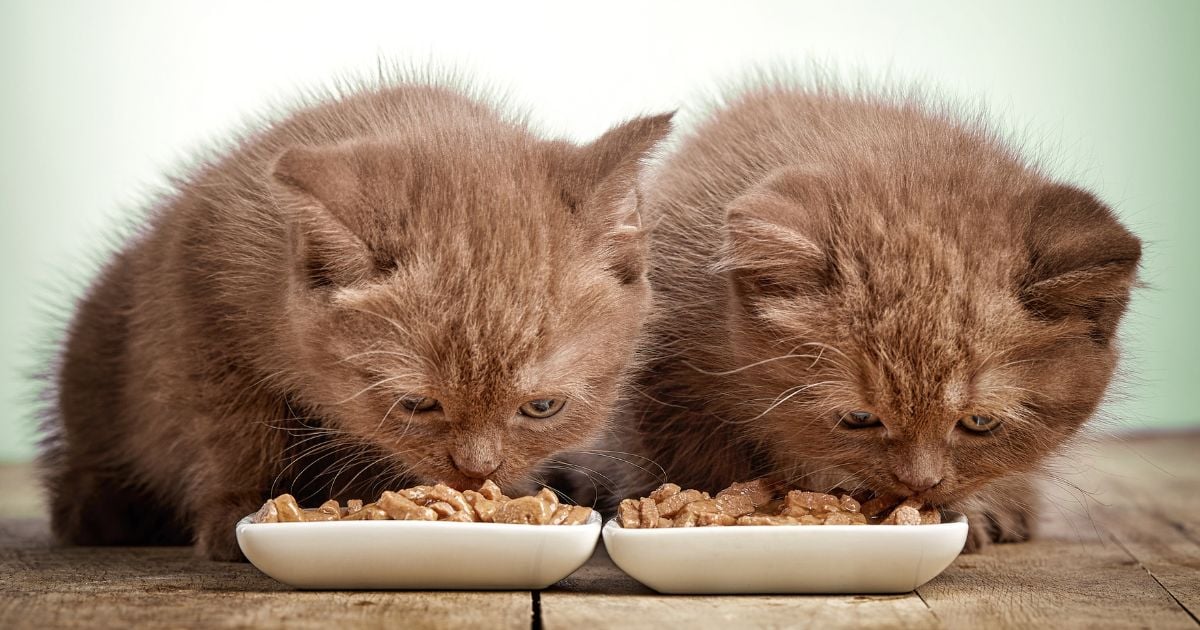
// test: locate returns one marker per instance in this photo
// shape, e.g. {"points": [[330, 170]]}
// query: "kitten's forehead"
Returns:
{"points": [[490, 332], [923, 327]]}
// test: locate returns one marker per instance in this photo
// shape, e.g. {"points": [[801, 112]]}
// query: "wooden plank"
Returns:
{"points": [[1052, 583], [601, 595], [1073, 575], [1148, 496], [47, 587]]}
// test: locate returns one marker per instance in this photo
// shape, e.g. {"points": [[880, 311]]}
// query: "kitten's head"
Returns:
{"points": [[924, 338], [466, 302]]}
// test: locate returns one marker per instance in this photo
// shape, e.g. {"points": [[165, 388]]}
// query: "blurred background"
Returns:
{"points": [[104, 99]]}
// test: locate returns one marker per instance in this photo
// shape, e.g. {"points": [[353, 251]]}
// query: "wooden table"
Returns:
{"points": [[1122, 551]]}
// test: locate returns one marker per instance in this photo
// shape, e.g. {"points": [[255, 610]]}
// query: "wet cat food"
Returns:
{"points": [[756, 503], [433, 503]]}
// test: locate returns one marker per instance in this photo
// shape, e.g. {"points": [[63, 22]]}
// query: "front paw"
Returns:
{"points": [[216, 537], [996, 524]]}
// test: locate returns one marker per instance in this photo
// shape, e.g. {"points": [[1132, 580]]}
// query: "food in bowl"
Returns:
{"points": [[433, 503], [758, 503]]}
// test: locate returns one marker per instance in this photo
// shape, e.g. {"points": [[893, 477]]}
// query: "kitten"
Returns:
{"points": [[397, 285], [870, 292]]}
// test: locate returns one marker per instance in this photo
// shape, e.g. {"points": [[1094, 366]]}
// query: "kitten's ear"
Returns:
{"points": [[601, 187], [1083, 262], [318, 191], [771, 247]]}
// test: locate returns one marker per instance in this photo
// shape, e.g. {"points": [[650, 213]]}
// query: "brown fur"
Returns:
{"points": [[817, 252], [257, 338]]}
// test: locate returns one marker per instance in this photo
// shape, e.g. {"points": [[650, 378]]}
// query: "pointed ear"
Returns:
{"points": [[771, 246], [618, 153], [317, 188], [600, 186], [1083, 262]]}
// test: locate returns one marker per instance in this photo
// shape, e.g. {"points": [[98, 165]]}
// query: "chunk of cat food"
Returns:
{"points": [[374, 513], [369, 512], [845, 518], [904, 515], [813, 502], [648, 513], [446, 494], [442, 508], [524, 511], [714, 519], [671, 505], [759, 491], [491, 491], [629, 513], [578, 516], [329, 511], [354, 506], [661, 493], [734, 505], [288, 510], [483, 507], [416, 494], [268, 513], [560, 515], [401, 508], [754, 503], [547, 495]]}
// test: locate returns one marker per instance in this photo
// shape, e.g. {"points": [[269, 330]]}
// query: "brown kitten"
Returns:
{"points": [[846, 280], [392, 286]]}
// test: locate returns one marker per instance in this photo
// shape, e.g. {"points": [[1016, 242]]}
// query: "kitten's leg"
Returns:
{"points": [[215, 521], [231, 479], [1004, 512], [96, 494], [89, 507]]}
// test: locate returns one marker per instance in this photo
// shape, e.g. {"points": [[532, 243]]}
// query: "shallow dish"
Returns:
{"points": [[417, 555], [787, 558]]}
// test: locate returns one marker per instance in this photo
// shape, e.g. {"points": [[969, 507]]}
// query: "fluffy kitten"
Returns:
{"points": [[872, 292], [390, 286]]}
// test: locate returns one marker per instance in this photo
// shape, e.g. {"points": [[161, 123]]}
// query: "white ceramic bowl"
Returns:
{"points": [[788, 558], [418, 555]]}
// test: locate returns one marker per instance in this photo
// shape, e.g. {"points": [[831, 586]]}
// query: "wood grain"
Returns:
{"points": [[1123, 552], [1150, 491], [601, 595], [42, 586]]}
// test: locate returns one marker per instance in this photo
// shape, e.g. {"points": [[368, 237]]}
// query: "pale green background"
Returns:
{"points": [[102, 98]]}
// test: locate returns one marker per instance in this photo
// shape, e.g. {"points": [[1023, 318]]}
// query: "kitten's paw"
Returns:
{"points": [[996, 524], [216, 538]]}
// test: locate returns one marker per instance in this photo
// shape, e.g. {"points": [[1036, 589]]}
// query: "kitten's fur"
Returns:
{"points": [[817, 252], [259, 334]]}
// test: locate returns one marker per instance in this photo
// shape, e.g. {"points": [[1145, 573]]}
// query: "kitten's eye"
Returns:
{"points": [[979, 424], [542, 408], [418, 403], [860, 420]]}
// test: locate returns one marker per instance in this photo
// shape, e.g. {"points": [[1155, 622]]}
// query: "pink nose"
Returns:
{"points": [[475, 469]]}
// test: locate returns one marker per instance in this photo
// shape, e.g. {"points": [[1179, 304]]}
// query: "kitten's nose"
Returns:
{"points": [[475, 468], [918, 482]]}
